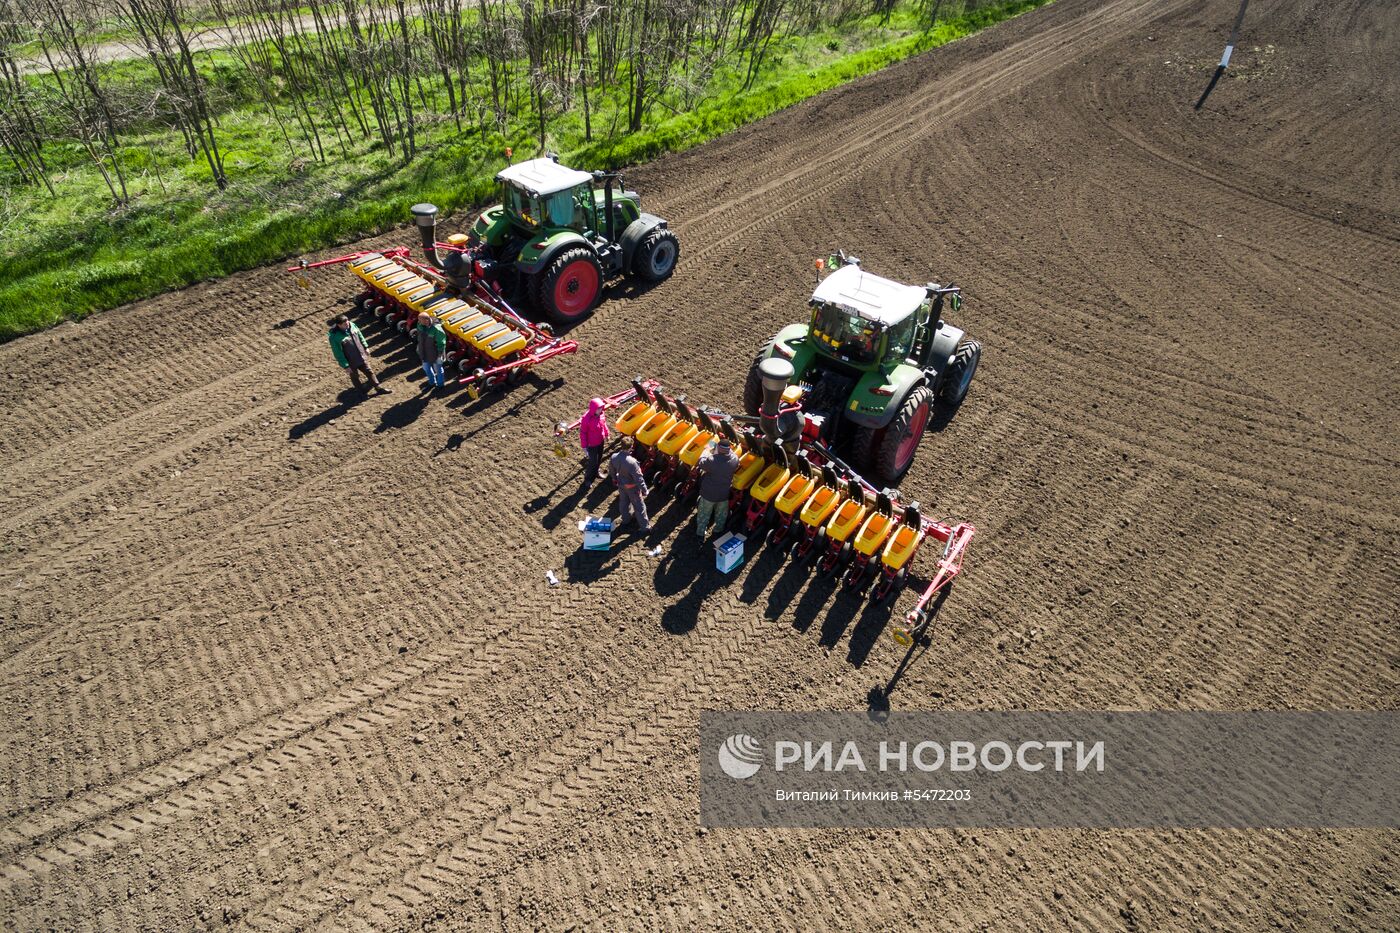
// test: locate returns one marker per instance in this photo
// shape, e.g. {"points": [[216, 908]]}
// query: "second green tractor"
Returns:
{"points": [[559, 234]]}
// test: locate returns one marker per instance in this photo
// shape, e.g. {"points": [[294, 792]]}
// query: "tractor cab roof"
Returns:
{"points": [[869, 296], [543, 177]]}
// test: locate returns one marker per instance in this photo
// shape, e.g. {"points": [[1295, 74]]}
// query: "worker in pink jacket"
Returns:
{"points": [[593, 433]]}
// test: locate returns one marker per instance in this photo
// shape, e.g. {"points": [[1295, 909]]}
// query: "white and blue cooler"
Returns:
{"points": [[597, 533], [729, 552]]}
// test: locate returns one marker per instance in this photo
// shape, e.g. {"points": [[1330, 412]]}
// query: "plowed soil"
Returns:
{"points": [[276, 659]]}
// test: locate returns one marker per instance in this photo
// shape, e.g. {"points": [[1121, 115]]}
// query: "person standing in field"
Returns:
{"points": [[631, 490], [716, 468], [352, 353], [593, 434], [432, 347]]}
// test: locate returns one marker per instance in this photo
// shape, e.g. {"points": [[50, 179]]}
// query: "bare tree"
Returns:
{"points": [[159, 25], [20, 134], [79, 96]]}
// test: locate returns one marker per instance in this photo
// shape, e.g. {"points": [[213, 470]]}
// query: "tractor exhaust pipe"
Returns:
{"points": [[608, 207], [425, 219], [774, 373]]}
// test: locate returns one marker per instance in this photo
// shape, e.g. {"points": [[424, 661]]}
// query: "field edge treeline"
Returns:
{"points": [[126, 177]]}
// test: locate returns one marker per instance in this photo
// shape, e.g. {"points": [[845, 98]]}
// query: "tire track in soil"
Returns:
{"points": [[1014, 466], [872, 132], [56, 478], [666, 702], [613, 739], [183, 773], [360, 450], [334, 612], [898, 122], [149, 361]]}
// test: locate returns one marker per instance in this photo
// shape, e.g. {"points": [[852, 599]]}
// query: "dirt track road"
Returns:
{"points": [[276, 661], [205, 38]]}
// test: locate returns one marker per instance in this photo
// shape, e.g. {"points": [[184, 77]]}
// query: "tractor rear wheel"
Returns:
{"points": [[753, 386], [656, 256], [889, 451], [958, 379], [569, 286]]}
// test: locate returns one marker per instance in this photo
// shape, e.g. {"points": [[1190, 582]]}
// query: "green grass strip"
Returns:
{"points": [[155, 247]]}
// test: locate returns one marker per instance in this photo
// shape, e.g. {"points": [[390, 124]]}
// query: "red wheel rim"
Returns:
{"points": [[910, 444], [576, 288]]}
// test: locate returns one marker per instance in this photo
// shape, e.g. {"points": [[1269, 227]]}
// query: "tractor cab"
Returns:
{"points": [[541, 196], [541, 193], [866, 321]]}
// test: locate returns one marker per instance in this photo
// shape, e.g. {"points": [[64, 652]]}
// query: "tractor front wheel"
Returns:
{"points": [[958, 379], [890, 451], [656, 257], [569, 286]]}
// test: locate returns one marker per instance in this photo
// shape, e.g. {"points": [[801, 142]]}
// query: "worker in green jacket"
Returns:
{"points": [[432, 349], [352, 353]]}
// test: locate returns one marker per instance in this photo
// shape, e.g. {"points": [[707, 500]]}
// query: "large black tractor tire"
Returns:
{"points": [[656, 256], [568, 288], [753, 386], [958, 379], [888, 452], [530, 290], [860, 455]]}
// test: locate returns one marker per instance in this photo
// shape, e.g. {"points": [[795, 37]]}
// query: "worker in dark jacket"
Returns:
{"points": [[716, 469], [352, 353], [432, 348], [626, 474]]}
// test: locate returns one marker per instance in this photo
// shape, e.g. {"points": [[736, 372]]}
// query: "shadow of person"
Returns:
{"points": [[346, 400], [679, 568], [402, 414], [565, 506], [583, 566], [450, 446], [681, 617]]}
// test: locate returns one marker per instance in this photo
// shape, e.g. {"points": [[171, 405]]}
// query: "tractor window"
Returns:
{"points": [[901, 340], [846, 334], [521, 204], [561, 209], [583, 207]]}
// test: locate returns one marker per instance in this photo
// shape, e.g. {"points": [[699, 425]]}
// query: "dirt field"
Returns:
{"points": [[276, 660]]}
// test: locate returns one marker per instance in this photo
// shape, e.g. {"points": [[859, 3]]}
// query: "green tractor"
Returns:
{"points": [[874, 361], [559, 234]]}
